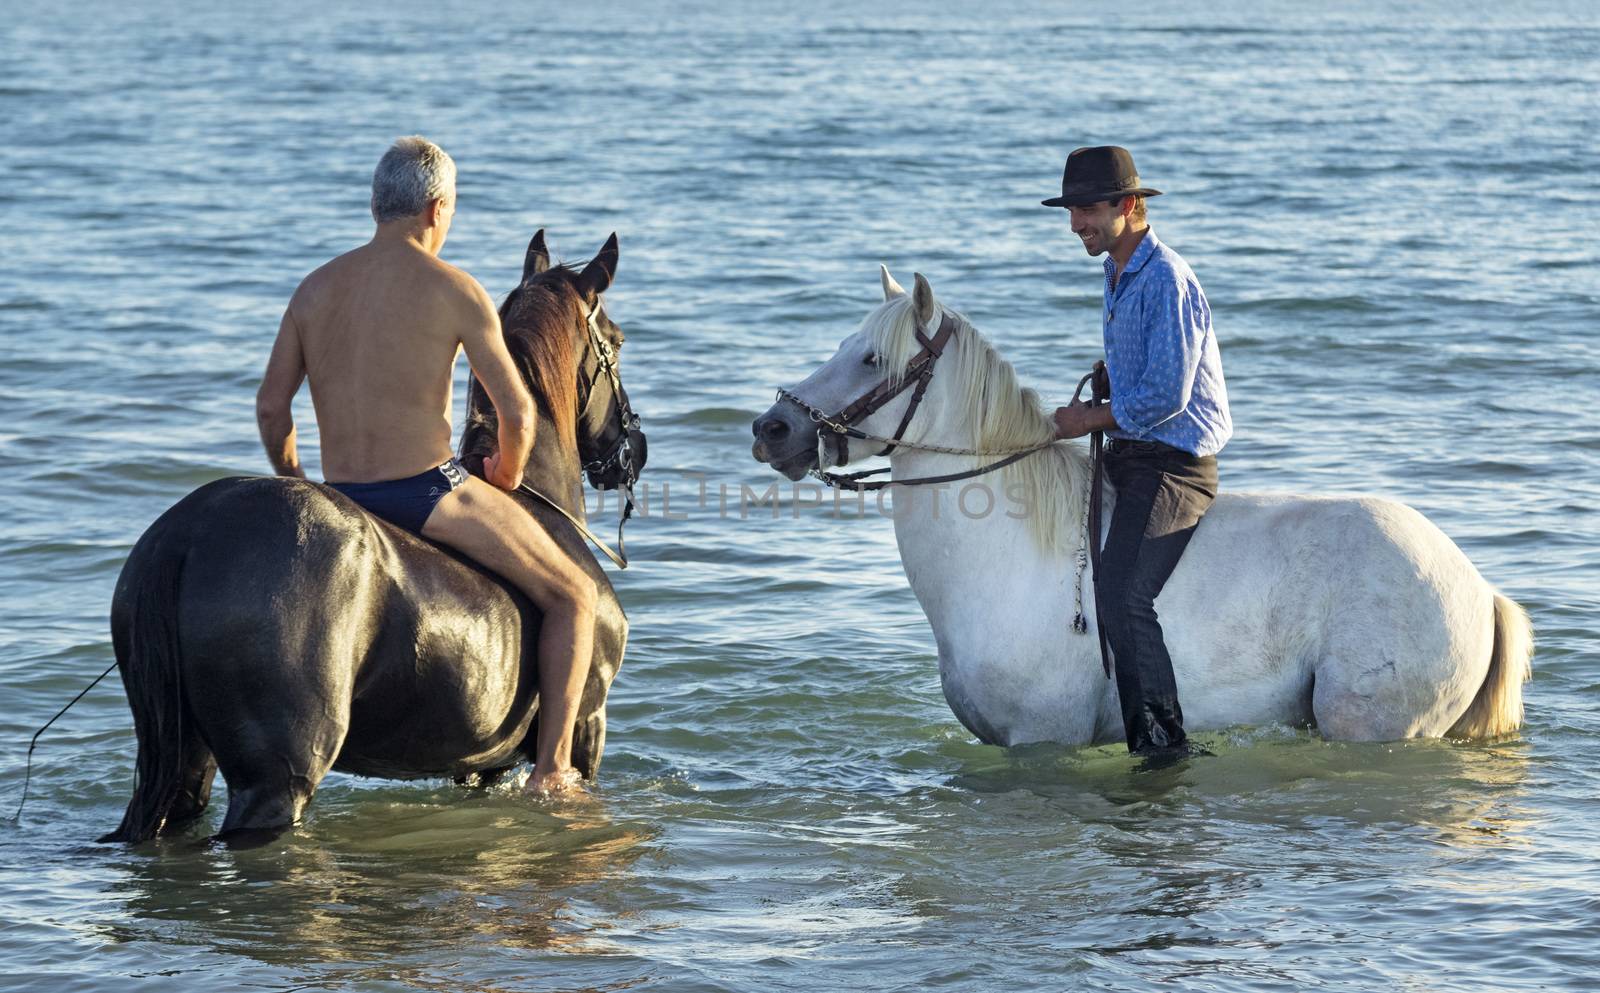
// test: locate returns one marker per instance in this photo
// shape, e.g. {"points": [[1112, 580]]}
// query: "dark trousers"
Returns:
{"points": [[1162, 492]]}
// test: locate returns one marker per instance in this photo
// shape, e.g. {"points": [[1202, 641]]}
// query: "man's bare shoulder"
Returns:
{"points": [[472, 294], [404, 272], [332, 277], [334, 269]]}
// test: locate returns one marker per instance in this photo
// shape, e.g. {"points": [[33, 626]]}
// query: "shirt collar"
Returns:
{"points": [[1147, 247], [1141, 254]]}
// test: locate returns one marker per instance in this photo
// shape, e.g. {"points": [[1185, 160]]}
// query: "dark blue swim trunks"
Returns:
{"points": [[407, 502]]}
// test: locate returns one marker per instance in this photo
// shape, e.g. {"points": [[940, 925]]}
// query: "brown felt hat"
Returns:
{"points": [[1100, 173]]}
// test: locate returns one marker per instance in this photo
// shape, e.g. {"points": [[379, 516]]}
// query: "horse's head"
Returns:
{"points": [[569, 351], [876, 383]]}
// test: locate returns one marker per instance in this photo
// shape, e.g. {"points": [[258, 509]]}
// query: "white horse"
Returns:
{"points": [[1355, 615]]}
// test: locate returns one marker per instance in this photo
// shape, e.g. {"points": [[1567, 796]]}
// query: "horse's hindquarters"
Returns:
{"points": [[289, 629], [1356, 615]]}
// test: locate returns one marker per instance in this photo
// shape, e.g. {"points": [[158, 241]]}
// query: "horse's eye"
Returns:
{"points": [[871, 359]]}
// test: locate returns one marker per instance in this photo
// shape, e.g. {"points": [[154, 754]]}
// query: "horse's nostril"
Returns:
{"points": [[770, 429]]}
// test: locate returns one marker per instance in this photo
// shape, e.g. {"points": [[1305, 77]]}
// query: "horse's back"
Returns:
{"points": [[1359, 548]]}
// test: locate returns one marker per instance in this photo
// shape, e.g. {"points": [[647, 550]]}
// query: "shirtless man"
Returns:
{"points": [[377, 331]]}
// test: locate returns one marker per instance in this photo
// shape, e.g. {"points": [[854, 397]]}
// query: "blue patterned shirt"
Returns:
{"points": [[1166, 371]]}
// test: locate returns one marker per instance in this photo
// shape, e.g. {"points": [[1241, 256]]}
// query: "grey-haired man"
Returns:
{"points": [[377, 331]]}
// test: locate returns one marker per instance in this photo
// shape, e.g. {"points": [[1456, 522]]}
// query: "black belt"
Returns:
{"points": [[1128, 446]]}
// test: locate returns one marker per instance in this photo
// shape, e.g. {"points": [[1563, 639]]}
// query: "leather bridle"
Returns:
{"points": [[619, 457], [918, 373]]}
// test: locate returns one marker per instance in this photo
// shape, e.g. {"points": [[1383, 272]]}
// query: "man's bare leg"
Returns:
{"points": [[486, 525]]}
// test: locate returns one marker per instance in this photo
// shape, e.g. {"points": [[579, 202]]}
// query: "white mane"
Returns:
{"points": [[1002, 415]]}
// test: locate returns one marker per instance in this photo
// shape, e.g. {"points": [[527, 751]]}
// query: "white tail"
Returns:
{"points": [[1497, 709]]}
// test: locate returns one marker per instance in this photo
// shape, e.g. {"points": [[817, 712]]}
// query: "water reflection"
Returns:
{"points": [[1468, 793], [1162, 874], [382, 877]]}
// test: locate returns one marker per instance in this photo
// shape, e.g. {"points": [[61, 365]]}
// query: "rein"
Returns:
{"points": [[1100, 392], [619, 559], [854, 481], [919, 372]]}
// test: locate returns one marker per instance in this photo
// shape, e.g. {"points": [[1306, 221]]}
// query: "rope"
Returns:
{"points": [[1080, 620], [28, 776], [620, 561]]}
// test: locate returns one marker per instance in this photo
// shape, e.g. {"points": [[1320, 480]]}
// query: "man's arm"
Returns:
{"points": [[286, 370], [485, 346]]}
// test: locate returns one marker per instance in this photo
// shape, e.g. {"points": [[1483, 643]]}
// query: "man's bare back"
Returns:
{"points": [[380, 328], [378, 331]]}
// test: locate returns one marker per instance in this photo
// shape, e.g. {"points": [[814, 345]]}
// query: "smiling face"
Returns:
{"points": [[1098, 225]]}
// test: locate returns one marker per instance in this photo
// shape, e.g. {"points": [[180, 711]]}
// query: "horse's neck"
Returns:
{"points": [[938, 522], [1000, 606], [556, 475], [954, 538], [969, 538], [553, 467]]}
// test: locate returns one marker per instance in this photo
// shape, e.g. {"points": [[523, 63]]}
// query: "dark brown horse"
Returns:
{"points": [[270, 628]]}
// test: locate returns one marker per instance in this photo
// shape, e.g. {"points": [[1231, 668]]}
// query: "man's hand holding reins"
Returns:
{"points": [[503, 474], [1080, 418]]}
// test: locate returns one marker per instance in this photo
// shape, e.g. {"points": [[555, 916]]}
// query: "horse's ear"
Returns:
{"points": [[538, 257], [597, 275], [922, 300], [891, 289]]}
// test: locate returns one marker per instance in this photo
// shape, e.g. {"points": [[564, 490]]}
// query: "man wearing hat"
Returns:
{"points": [[1167, 419]]}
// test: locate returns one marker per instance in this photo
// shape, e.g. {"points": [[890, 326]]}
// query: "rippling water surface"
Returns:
{"points": [[1394, 219]]}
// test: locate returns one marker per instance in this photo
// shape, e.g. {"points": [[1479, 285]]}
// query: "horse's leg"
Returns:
{"points": [[589, 731], [194, 782], [270, 783], [484, 778], [1345, 711], [273, 777], [279, 742]]}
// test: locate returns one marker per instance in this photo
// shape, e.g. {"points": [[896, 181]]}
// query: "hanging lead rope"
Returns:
{"points": [[1089, 547], [28, 775]]}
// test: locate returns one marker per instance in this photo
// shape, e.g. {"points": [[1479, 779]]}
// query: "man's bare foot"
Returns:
{"points": [[559, 782]]}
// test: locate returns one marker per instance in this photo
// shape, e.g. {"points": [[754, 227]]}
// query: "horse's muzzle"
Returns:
{"points": [[786, 439]]}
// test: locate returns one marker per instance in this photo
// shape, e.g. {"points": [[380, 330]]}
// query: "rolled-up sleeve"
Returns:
{"points": [[1174, 319]]}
